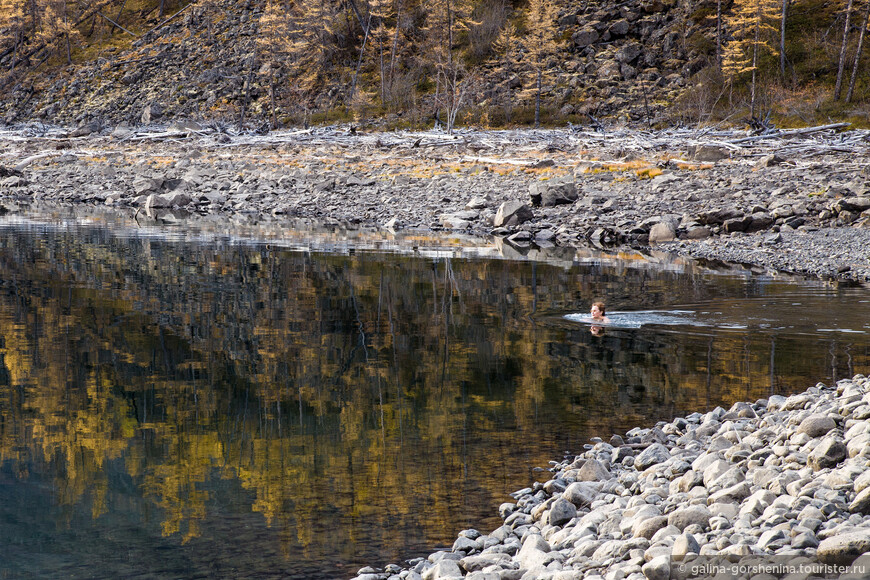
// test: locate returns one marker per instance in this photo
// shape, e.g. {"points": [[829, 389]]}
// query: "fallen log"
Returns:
{"points": [[792, 132]]}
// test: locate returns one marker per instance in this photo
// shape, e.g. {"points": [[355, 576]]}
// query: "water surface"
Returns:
{"points": [[255, 401]]}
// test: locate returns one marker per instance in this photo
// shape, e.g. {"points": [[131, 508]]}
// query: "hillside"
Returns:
{"points": [[646, 62]]}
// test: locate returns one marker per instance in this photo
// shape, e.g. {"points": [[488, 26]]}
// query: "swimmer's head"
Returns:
{"points": [[597, 310]]}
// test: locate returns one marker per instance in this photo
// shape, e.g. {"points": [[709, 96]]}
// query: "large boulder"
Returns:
{"points": [[662, 232], [512, 213], [843, 549], [552, 193], [817, 425]]}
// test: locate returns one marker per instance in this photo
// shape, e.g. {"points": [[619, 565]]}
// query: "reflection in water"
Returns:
{"points": [[210, 407]]}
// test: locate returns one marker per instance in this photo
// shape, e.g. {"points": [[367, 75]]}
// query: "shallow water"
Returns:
{"points": [[247, 400]]}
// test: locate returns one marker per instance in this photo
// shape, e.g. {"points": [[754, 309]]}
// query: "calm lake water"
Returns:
{"points": [[243, 401]]}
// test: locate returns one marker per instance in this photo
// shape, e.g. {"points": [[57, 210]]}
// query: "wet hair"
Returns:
{"points": [[600, 306]]}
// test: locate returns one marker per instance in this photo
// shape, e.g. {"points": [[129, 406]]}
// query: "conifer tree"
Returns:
{"points": [[540, 44], [293, 42], [751, 32], [12, 28], [273, 41], [782, 23], [57, 26], [507, 46]]}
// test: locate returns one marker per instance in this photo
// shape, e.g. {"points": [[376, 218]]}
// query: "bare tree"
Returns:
{"points": [[841, 62], [858, 50]]}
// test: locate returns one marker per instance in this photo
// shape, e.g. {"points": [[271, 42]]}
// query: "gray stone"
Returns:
{"points": [[843, 549], [856, 204], [691, 515], [533, 552], [151, 113], [734, 494], [828, 453], [652, 455], [662, 232], [593, 470], [620, 28], [647, 527], [628, 53], [708, 152], [177, 199], [805, 540], [861, 503], [585, 37], [561, 512], [816, 425], [467, 545], [698, 233], [581, 494], [770, 539], [360, 181], [481, 561], [715, 470], [659, 568], [443, 569], [683, 545], [512, 213], [155, 201], [553, 192]]}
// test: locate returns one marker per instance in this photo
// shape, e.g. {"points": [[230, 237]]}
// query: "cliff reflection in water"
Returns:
{"points": [[177, 408]]}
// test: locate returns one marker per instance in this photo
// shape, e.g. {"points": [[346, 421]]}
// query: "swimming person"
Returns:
{"points": [[597, 313]]}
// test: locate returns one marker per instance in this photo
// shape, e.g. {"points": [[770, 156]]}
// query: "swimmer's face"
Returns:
{"points": [[596, 311]]}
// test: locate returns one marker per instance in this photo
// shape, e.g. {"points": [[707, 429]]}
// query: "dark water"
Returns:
{"points": [[178, 403]]}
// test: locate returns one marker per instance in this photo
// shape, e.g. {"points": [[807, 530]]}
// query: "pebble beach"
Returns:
{"points": [[776, 488]]}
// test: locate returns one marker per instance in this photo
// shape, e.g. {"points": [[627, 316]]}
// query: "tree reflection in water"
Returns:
{"points": [[178, 407]]}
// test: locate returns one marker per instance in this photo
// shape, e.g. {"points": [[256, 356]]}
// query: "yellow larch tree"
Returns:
{"points": [[12, 29], [57, 27], [509, 52], [752, 32], [540, 43], [294, 42]]}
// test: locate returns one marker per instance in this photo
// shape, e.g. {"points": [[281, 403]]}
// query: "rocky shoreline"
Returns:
{"points": [[778, 488], [768, 204]]}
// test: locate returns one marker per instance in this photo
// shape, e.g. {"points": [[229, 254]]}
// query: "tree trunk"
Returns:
{"points": [[162, 7], [362, 52], [854, 76], [841, 65], [538, 101], [754, 70], [383, 72], [782, 38], [272, 100], [118, 17], [395, 47], [719, 34]]}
